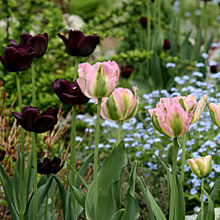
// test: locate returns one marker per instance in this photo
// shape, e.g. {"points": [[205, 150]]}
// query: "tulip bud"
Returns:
{"points": [[201, 167], [121, 105], [99, 80]]}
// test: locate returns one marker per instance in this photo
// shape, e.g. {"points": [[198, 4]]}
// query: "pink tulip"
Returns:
{"points": [[214, 111], [172, 116], [98, 80], [121, 105]]}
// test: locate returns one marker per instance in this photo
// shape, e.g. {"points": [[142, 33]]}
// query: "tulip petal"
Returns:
{"points": [[177, 119], [44, 123], [87, 45], [24, 39]]}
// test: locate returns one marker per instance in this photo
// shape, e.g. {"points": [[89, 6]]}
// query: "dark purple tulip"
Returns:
{"points": [[125, 72], [143, 22], [166, 44], [17, 58], [39, 43], [2, 155], [78, 44], [214, 68], [31, 120], [49, 166], [69, 93]]}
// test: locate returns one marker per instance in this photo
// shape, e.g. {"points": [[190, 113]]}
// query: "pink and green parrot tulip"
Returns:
{"points": [[121, 105], [98, 80]]}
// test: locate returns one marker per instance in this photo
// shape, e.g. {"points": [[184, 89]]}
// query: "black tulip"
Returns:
{"points": [[17, 58], [78, 44], [69, 93], [31, 120], [2, 155], [166, 44], [143, 22], [125, 72], [38, 42], [49, 166]]}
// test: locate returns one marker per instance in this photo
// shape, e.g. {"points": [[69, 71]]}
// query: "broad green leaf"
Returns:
{"points": [[118, 215], [16, 185], [116, 190], [141, 182], [62, 191], [213, 194], [180, 200], [198, 42], [144, 86], [153, 204], [7, 186], [109, 173], [83, 169], [209, 43], [186, 48], [79, 176], [157, 40], [80, 197], [131, 207], [69, 211], [211, 211], [156, 71], [41, 194], [173, 46]]}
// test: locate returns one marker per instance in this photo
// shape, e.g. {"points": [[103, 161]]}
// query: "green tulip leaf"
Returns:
{"points": [[180, 200], [83, 169], [7, 186], [118, 215], [213, 194], [41, 194], [62, 191], [109, 173], [151, 203], [80, 197], [131, 207], [211, 211]]}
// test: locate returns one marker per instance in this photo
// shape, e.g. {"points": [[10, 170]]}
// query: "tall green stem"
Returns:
{"points": [[22, 152], [96, 157], [148, 33], [33, 85], [159, 13], [119, 131], [183, 159], [34, 140], [174, 170], [202, 203], [45, 215], [73, 139], [205, 25]]}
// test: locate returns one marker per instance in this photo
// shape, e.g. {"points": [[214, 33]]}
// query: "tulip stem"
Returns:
{"points": [[174, 170], [22, 152], [73, 151], [202, 202], [183, 159], [45, 215], [96, 159], [119, 131], [76, 69], [33, 85], [205, 26], [34, 140]]}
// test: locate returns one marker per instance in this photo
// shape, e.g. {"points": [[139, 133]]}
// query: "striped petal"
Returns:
{"points": [[214, 111]]}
